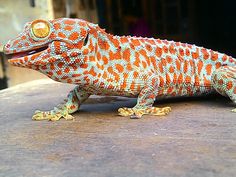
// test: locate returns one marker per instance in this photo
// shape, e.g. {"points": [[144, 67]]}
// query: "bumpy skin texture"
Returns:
{"points": [[79, 52]]}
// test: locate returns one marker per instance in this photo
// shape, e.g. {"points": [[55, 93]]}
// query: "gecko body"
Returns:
{"points": [[79, 52]]}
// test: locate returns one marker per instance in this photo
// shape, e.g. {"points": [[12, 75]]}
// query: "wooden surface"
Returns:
{"points": [[198, 138]]}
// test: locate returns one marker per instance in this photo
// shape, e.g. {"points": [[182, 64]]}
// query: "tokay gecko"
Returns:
{"points": [[81, 53]]}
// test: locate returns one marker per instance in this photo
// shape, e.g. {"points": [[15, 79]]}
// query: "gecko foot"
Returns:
{"points": [[137, 113], [48, 115], [53, 115]]}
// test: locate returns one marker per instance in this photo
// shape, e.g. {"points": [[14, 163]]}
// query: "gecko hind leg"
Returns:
{"points": [[224, 81], [71, 105], [145, 101]]}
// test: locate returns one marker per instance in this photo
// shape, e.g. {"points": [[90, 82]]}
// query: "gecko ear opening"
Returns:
{"points": [[40, 29], [86, 40]]}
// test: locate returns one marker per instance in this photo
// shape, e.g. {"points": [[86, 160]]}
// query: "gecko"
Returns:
{"points": [[78, 52]]}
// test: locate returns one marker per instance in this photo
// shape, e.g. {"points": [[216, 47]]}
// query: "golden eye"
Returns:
{"points": [[40, 28]]}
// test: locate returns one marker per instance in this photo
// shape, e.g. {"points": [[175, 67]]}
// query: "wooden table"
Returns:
{"points": [[198, 138]]}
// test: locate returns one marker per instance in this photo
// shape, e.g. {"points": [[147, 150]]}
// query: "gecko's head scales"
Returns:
{"points": [[43, 42]]}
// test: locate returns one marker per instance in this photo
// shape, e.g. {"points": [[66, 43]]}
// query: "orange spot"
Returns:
{"points": [[175, 78], [137, 60], [135, 74], [220, 82], [161, 81], [218, 65], [83, 32], [110, 69], [115, 42], [136, 42], [168, 59], [152, 42], [205, 54], [105, 60], [85, 51], [52, 66], [73, 36], [178, 65], [144, 64], [120, 68], [62, 35], [199, 66], [224, 58], [92, 72], [57, 26], [209, 69], [163, 61], [186, 66], [153, 61], [68, 28], [180, 79], [148, 47], [44, 67], [207, 83], [76, 75], [114, 56], [67, 70], [59, 72], [104, 76], [124, 40], [229, 85], [84, 66], [171, 69], [69, 81], [158, 52], [60, 64], [165, 49], [214, 56], [168, 79], [181, 52], [195, 55], [132, 85], [170, 90], [187, 51], [123, 85], [126, 54], [197, 81], [69, 22], [23, 37], [172, 49], [103, 44], [129, 67], [144, 53], [92, 58], [160, 66], [188, 79]]}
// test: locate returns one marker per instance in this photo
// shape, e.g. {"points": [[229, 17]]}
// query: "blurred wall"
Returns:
{"points": [[13, 15]]}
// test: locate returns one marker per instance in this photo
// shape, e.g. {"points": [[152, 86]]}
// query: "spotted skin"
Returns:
{"points": [[81, 53]]}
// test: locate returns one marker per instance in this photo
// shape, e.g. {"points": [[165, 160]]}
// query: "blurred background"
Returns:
{"points": [[208, 23]]}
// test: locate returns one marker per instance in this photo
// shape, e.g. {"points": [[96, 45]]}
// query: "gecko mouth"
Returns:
{"points": [[26, 53]]}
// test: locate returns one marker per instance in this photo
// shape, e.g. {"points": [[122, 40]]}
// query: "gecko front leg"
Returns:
{"points": [[72, 103], [224, 81], [145, 101]]}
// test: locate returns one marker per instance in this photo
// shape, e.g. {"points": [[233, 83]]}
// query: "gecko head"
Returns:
{"points": [[43, 43]]}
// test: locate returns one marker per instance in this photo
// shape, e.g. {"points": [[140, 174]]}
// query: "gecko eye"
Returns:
{"points": [[40, 28]]}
